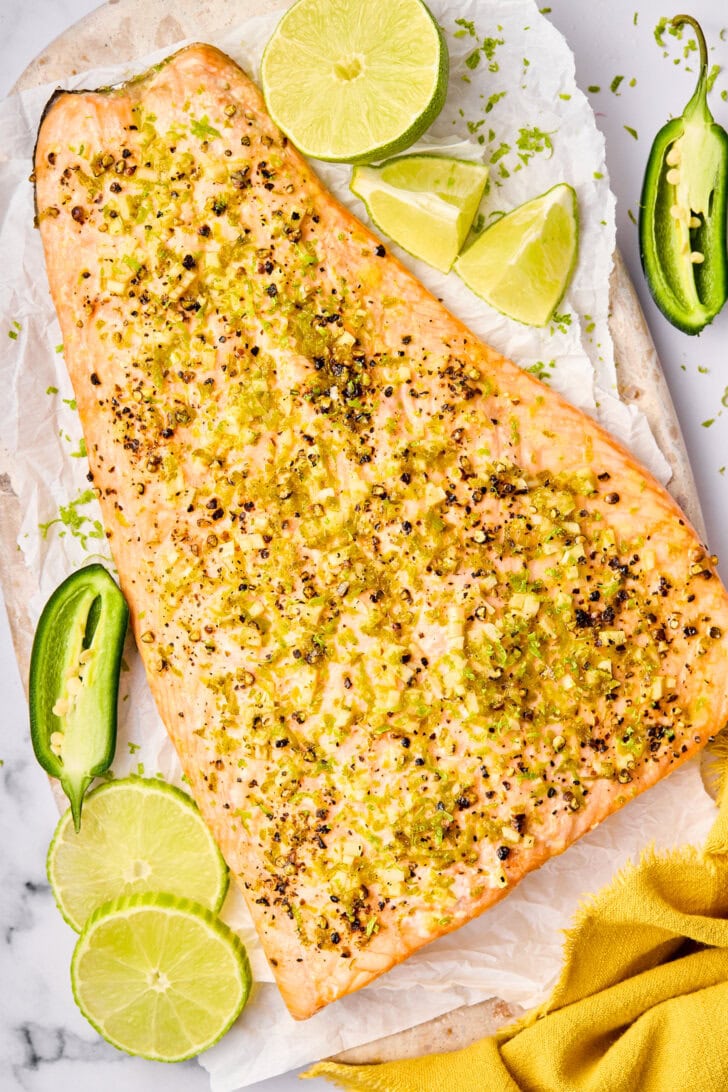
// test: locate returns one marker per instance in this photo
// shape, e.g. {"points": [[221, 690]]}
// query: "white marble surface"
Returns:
{"points": [[44, 1042]]}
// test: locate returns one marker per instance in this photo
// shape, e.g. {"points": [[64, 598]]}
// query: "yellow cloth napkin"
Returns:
{"points": [[641, 1004]]}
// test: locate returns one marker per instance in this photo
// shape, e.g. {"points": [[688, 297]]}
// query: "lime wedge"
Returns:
{"points": [[355, 80], [137, 835], [522, 265], [159, 976], [426, 203]]}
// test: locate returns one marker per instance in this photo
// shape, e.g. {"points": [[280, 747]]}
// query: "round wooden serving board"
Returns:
{"points": [[121, 30]]}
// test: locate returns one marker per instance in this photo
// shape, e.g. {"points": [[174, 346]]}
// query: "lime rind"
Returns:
{"points": [[75, 909], [100, 958], [523, 264], [426, 203], [358, 81]]}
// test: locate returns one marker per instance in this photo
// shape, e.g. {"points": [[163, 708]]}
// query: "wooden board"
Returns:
{"points": [[121, 30]]}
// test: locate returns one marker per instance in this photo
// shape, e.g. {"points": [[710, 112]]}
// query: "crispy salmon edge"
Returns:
{"points": [[301, 986]]}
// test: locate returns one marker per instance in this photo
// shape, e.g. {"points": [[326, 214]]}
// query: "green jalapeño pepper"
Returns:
{"points": [[682, 225], [74, 680]]}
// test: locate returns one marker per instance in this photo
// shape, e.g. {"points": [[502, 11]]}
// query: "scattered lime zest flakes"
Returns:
{"points": [[598, 175], [705, 371], [710, 421], [501, 151], [80, 526], [661, 27], [131, 262], [594, 88], [545, 11], [81, 453], [632, 132], [724, 399], [13, 334], [542, 369], [675, 31], [327, 69], [486, 49], [534, 141], [560, 322], [202, 129], [51, 390], [632, 216], [71, 403], [614, 85], [467, 27], [133, 747], [59, 348], [494, 98], [635, 17], [143, 967], [712, 76]]}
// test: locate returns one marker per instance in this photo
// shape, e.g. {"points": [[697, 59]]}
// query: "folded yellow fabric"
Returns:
{"points": [[641, 1004]]}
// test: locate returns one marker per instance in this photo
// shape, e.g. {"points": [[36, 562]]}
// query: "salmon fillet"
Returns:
{"points": [[413, 623]]}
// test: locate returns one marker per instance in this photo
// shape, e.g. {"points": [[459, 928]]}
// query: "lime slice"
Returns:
{"points": [[522, 265], [159, 976], [426, 203], [355, 80], [137, 835]]}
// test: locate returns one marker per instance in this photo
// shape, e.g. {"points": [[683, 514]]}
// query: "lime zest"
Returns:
{"points": [[80, 526]]}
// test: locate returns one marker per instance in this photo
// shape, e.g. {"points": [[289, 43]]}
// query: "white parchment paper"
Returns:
{"points": [[514, 104]]}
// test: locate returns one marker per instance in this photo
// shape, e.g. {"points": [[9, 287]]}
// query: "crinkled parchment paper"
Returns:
{"points": [[540, 132]]}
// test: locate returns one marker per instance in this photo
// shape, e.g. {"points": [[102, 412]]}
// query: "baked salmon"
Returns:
{"points": [[413, 623]]}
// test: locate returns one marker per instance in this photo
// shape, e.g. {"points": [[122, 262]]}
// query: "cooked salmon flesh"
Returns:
{"points": [[413, 623]]}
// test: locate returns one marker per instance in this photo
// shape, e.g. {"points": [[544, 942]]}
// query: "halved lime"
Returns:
{"points": [[138, 835], [159, 976], [355, 80], [426, 203], [522, 265]]}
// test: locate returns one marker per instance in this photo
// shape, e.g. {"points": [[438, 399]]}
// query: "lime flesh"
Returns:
{"points": [[522, 265], [138, 835], [426, 203], [159, 976], [355, 80]]}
